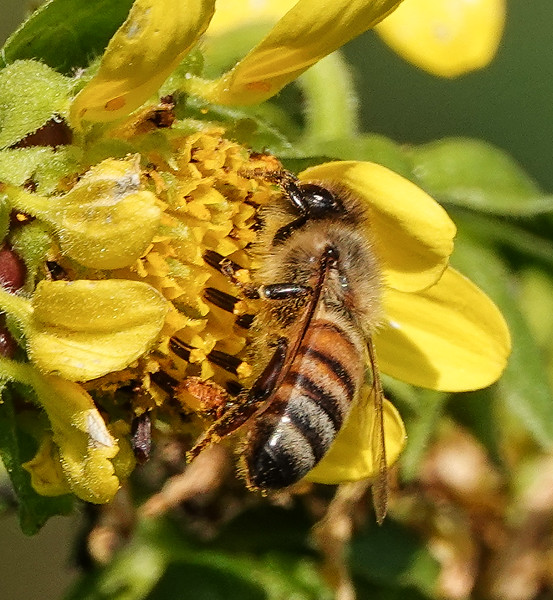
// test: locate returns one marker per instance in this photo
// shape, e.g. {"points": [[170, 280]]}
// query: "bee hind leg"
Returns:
{"points": [[247, 403], [231, 420]]}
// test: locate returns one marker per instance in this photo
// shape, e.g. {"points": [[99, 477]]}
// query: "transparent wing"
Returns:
{"points": [[378, 440]]}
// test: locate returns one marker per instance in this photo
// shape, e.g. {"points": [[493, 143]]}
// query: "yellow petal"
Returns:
{"points": [[351, 457], [140, 56], [412, 233], [85, 329], [446, 37], [106, 221], [47, 477], [450, 337], [308, 32], [84, 443]]}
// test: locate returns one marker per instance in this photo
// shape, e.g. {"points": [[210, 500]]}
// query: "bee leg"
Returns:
{"points": [[247, 405], [284, 291]]}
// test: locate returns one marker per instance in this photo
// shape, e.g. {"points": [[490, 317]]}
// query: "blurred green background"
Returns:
{"points": [[507, 104]]}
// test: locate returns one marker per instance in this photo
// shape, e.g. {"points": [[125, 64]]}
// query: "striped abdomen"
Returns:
{"points": [[306, 411]]}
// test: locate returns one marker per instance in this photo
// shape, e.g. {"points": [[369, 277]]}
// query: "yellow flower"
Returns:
{"points": [[131, 231], [439, 330], [446, 37], [76, 455], [155, 37], [83, 329]]}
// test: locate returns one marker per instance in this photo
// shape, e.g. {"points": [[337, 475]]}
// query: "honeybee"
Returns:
{"points": [[319, 284]]}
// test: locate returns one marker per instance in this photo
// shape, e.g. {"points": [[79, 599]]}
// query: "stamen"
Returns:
{"points": [[55, 270], [245, 321], [233, 387], [220, 263], [164, 381], [228, 362], [224, 300], [180, 348]]}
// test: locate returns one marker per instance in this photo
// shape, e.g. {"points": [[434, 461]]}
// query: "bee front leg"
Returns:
{"points": [[247, 404], [284, 291]]}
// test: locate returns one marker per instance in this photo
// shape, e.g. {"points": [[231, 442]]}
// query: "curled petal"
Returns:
{"points": [[352, 456], [47, 477], [308, 32], [443, 37], [106, 221], [83, 329], [450, 337], [412, 233], [140, 56], [83, 441]]}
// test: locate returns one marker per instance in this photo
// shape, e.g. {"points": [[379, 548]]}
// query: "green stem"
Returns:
{"points": [[26, 202], [11, 370], [332, 103], [16, 306]]}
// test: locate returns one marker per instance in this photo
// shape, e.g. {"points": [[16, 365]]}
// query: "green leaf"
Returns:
{"points": [[476, 175], [204, 581], [160, 562], [66, 34], [536, 300], [44, 165], [420, 430], [524, 387], [505, 233], [370, 147], [366, 590], [16, 447], [242, 125], [477, 411], [394, 556], [30, 95], [267, 528], [130, 575]]}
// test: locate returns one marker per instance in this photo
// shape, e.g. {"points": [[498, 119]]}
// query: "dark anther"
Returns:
{"points": [[233, 387], [245, 321], [164, 381], [220, 263], [57, 272], [141, 440], [228, 362], [180, 348], [220, 299], [55, 132]]}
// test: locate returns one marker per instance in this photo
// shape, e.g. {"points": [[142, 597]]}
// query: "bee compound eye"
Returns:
{"points": [[320, 201]]}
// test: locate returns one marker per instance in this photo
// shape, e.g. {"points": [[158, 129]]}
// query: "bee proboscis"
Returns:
{"points": [[318, 282]]}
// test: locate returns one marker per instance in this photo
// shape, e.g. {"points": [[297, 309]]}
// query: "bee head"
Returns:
{"points": [[319, 201]]}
